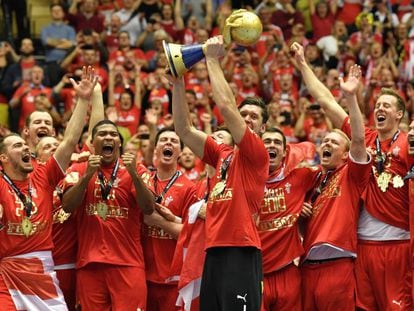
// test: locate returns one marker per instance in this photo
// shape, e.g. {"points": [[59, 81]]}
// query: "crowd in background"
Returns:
{"points": [[123, 41]]}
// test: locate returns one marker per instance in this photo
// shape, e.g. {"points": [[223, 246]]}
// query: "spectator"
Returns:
{"points": [[23, 98], [286, 17], [322, 17], [110, 37], [57, 37], [7, 57], [83, 14]]}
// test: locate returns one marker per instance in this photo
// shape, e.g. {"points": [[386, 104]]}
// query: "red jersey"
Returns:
{"points": [[280, 210], [64, 235], [336, 209], [119, 56], [232, 215], [392, 205], [27, 101], [43, 181], [68, 96], [117, 239], [128, 118], [159, 246]]}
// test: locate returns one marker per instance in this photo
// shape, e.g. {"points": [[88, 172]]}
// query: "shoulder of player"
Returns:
{"points": [[184, 182]]}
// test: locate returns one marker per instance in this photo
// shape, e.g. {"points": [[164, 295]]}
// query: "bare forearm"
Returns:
{"points": [[357, 130], [222, 93], [171, 228], [74, 196], [76, 122], [144, 197], [323, 96], [180, 110]]}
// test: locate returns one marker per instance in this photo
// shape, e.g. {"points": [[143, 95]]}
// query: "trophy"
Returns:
{"points": [[242, 27]]}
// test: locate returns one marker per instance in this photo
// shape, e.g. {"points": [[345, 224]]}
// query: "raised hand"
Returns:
{"points": [[214, 47], [299, 53], [151, 116], [94, 163], [85, 87], [351, 85], [130, 162]]}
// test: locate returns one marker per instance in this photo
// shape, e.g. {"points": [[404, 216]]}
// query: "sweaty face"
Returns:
{"points": [[333, 151], [107, 143], [17, 155], [387, 116], [41, 125], [252, 115], [168, 148], [46, 148], [273, 143]]}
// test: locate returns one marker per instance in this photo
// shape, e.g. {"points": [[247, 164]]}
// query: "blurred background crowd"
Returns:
{"points": [[46, 42]]}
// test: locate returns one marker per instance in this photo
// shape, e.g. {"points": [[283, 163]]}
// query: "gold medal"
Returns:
{"points": [[218, 188], [60, 216], [27, 226], [383, 180], [397, 181], [102, 210]]}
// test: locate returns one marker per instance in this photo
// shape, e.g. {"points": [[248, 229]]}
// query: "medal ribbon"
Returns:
{"points": [[26, 199], [318, 190], [410, 174], [379, 158], [159, 198], [107, 186], [225, 166]]}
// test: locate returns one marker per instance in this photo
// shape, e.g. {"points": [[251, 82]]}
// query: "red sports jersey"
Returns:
{"points": [[128, 118], [158, 245], [64, 235], [390, 206], [336, 209], [115, 240], [43, 181], [280, 210], [232, 215], [27, 100]]}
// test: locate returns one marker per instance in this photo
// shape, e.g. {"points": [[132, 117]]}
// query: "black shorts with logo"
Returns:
{"points": [[232, 279]]}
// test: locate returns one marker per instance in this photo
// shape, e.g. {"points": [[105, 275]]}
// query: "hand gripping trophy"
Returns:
{"points": [[242, 27]]}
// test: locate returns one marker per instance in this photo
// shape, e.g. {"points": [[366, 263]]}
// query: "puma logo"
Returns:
{"points": [[242, 298], [398, 303]]}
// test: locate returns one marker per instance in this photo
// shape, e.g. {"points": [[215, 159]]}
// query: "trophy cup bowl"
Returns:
{"points": [[242, 27]]}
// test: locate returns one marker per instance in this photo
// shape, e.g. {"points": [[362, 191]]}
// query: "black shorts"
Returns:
{"points": [[232, 279]]}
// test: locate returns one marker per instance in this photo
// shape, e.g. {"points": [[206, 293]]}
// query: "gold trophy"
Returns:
{"points": [[242, 27]]}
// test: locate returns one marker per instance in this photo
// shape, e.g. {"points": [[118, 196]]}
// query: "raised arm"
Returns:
{"points": [[191, 137], [350, 88], [222, 93], [144, 196], [84, 91], [317, 89], [97, 113]]}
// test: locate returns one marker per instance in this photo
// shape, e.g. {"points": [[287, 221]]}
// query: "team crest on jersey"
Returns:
{"points": [[396, 151], [287, 187], [116, 182], [168, 200], [34, 192]]}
